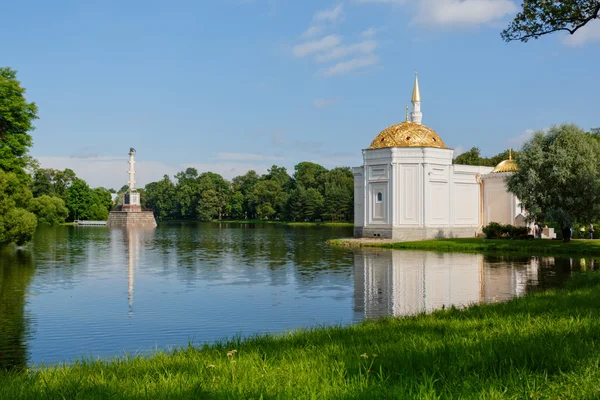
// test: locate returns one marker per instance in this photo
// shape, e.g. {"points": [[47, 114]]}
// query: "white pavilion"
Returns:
{"points": [[408, 188]]}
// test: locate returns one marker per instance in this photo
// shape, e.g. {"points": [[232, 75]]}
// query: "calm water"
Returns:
{"points": [[91, 291]]}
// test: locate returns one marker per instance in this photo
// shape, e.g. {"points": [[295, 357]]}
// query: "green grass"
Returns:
{"points": [[289, 223], [478, 245], [545, 345]]}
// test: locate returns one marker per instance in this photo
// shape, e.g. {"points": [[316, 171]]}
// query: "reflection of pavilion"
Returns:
{"points": [[410, 282]]}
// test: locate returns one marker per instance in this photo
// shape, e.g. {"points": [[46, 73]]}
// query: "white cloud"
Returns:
{"points": [[458, 150], [463, 12], [368, 33], [589, 33], [323, 103], [246, 157], [229, 170], [312, 31], [330, 15], [315, 46], [364, 47], [518, 141], [109, 172], [344, 67]]}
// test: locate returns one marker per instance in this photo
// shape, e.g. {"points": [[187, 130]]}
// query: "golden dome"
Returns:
{"points": [[407, 134], [506, 166]]}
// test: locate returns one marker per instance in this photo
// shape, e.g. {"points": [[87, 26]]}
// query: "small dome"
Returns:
{"points": [[506, 166], [407, 134]]}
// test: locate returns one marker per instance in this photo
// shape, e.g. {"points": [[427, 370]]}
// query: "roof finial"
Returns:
{"points": [[416, 96], [407, 113]]}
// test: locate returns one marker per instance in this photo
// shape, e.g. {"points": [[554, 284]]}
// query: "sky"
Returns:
{"points": [[233, 85]]}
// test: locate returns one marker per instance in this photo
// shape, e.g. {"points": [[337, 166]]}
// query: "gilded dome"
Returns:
{"points": [[407, 134], [506, 166]]}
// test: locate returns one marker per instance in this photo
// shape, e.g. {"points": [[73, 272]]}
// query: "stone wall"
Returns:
{"points": [[124, 219]]}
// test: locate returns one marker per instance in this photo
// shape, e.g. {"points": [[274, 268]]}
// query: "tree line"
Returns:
{"points": [[311, 193]]}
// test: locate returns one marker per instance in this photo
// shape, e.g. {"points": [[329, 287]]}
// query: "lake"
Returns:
{"points": [[94, 292]]}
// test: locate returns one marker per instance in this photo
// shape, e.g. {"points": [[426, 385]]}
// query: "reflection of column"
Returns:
{"points": [[134, 238]]}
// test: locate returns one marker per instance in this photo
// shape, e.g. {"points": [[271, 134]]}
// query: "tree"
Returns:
{"points": [[309, 175], [16, 121], [80, 199], [49, 210], [51, 182], [558, 179], [17, 225], [161, 198], [541, 17], [471, 157], [187, 193]]}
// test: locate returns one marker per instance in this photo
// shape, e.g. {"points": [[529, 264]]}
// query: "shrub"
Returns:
{"points": [[498, 231]]}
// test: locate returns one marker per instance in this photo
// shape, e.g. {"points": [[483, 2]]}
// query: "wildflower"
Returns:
{"points": [[231, 353], [364, 355]]}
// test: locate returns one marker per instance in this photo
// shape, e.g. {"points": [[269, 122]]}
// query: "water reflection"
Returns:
{"points": [[16, 272], [395, 283], [81, 292]]}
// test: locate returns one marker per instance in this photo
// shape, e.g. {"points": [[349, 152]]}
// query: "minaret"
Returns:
{"points": [[416, 115]]}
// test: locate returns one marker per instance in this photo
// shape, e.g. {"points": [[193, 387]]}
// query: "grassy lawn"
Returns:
{"points": [[478, 245], [544, 345], [267, 221]]}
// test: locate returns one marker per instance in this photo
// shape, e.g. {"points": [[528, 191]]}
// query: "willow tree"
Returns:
{"points": [[541, 17], [559, 177]]}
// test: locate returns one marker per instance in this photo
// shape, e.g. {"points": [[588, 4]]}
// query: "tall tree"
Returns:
{"points": [[541, 17], [187, 193], [17, 225], [559, 177], [16, 121], [309, 175], [50, 210], [80, 199], [161, 198]]}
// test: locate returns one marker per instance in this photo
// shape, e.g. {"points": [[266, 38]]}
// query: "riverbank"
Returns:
{"points": [[479, 245], [543, 345], [289, 223]]}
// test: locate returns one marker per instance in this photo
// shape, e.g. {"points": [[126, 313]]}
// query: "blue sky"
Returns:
{"points": [[233, 85]]}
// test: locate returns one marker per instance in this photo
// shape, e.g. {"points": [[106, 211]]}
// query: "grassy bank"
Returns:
{"points": [[478, 245], [545, 345], [267, 221]]}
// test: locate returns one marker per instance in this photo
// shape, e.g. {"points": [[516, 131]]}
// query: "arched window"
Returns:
{"points": [[379, 197]]}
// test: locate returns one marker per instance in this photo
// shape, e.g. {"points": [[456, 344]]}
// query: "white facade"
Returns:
{"points": [[500, 205], [412, 193]]}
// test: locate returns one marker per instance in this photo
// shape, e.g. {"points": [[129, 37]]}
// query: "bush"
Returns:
{"points": [[498, 231]]}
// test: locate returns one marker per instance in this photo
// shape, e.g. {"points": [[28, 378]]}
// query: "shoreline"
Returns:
{"points": [[480, 245], [483, 351]]}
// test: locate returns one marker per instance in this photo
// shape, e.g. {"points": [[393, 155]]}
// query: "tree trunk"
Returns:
{"points": [[566, 232]]}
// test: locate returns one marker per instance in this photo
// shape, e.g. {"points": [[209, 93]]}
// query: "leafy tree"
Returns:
{"points": [[559, 177], [161, 198], [541, 17], [187, 193], [313, 203], [52, 182], [471, 157], [17, 225], [244, 184], [49, 210], [309, 175], [80, 199], [269, 198], [236, 205], [215, 192], [103, 197], [16, 121]]}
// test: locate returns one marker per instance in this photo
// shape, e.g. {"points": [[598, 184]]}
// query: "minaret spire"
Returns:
{"points": [[416, 115]]}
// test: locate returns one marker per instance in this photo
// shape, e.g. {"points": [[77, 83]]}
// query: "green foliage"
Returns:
{"points": [[498, 231], [273, 196], [541, 17], [16, 121], [161, 198], [473, 157], [17, 225], [559, 176], [52, 182], [49, 210], [539, 346]]}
